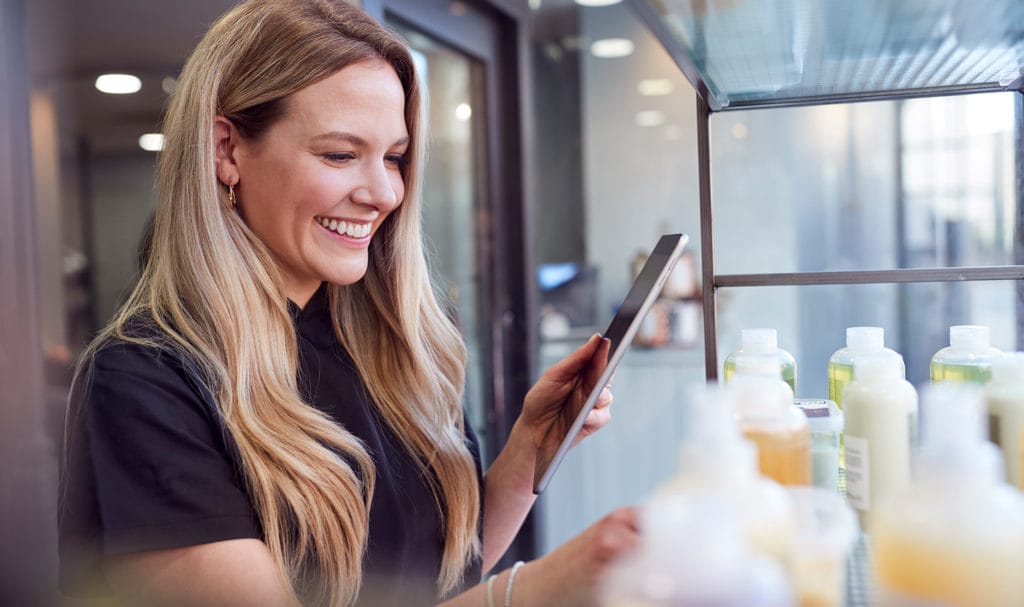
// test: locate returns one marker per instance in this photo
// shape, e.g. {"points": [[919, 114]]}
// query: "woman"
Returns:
{"points": [[273, 417]]}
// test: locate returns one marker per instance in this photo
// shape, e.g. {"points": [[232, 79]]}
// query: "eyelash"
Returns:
{"points": [[398, 159]]}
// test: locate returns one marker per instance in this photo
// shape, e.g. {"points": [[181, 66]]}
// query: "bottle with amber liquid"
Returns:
{"points": [[768, 418]]}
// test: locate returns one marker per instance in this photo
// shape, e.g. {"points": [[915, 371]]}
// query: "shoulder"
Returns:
{"points": [[143, 370]]}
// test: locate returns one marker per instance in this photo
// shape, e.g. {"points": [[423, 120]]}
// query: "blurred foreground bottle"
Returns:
{"points": [[955, 536], [762, 342], [714, 458], [1004, 396]]}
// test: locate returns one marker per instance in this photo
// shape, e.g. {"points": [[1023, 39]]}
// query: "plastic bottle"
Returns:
{"points": [[826, 530], [768, 417], [826, 423], [762, 342], [860, 341], [955, 536], [967, 359], [715, 458], [693, 553], [1004, 397], [881, 407]]}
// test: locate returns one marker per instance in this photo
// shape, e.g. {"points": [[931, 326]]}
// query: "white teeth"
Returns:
{"points": [[345, 228]]}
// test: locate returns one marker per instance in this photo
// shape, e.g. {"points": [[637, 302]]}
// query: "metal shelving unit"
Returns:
{"points": [[742, 55]]}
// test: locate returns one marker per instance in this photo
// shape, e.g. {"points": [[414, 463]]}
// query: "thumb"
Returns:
{"points": [[571, 366]]}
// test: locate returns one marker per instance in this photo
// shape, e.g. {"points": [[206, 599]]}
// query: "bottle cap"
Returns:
{"points": [[759, 341], [865, 338], [760, 365], [1008, 368], [878, 368], [975, 338]]}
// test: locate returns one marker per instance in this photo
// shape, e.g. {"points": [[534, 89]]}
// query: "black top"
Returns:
{"points": [[149, 465]]}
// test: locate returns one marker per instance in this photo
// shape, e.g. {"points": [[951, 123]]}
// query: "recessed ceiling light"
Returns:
{"points": [[152, 142], [168, 84], [739, 130], [611, 48], [654, 88], [650, 118], [463, 111], [597, 2], [118, 84]]}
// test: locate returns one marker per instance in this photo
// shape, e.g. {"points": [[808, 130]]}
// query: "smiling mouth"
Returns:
{"points": [[345, 228]]}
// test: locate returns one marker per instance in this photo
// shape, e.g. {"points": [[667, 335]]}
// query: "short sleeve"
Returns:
{"points": [[147, 465]]}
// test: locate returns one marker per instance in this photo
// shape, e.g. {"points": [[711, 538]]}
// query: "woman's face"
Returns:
{"points": [[319, 183]]}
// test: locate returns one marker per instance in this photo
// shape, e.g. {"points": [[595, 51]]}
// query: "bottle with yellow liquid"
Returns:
{"points": [[881, 407], [955, 536], [860, 341], [967, 359], [1004, 398], [762, 342], [771, 421]]}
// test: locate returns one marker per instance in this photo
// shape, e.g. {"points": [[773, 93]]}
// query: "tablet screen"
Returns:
{"points": [[620, 333]]}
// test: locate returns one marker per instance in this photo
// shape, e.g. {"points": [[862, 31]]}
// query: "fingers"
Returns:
{"points": [[605, 400]]}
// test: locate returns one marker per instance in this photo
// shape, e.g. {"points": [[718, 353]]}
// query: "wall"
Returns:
{"points": [[122, 197]]}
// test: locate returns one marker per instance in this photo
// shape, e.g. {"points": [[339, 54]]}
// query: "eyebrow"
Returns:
{"points": [[350, 138]]}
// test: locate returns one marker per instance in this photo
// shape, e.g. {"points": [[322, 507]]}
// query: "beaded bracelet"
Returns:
{"points": [[490, 590], [511, 581]]}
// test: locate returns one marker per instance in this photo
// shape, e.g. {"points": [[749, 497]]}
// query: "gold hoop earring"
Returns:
{"points": [[231, 195]]}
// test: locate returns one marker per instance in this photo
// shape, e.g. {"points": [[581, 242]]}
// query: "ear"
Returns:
{"points": [[225, 141]]}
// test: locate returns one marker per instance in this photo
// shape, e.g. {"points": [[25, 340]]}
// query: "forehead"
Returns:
{"points": [[366, 97]]}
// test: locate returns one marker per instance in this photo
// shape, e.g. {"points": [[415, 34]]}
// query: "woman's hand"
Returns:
{"points": [[553, 402], [572, 574]]}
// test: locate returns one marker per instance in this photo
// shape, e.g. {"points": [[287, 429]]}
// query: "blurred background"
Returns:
{"points": [[563, 144]]}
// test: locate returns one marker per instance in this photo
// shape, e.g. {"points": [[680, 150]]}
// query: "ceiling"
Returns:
{"points": [[70, 42]]}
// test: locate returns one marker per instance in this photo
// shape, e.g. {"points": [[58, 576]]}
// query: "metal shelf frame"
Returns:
{"points": [[707, 104]]}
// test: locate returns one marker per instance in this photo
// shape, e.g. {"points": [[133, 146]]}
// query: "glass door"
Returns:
{"points": [[453, 201], [474, 204]]}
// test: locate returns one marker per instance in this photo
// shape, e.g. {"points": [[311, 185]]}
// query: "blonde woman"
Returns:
{"points": [[273, 417]]}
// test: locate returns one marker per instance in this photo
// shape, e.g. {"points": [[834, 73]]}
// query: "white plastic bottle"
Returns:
{"points": [[967, 359], [771, 420], [860, 341], [1004, 397], [715, 458], [955, 536], [762, 342], [880, 409], [693, 553]]}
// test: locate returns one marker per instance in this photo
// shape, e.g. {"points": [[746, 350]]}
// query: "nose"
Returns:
{"points": [[381, 187]]}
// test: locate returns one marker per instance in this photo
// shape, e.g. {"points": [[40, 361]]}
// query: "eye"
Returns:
{"points": [[396, 159], [338, 156]]}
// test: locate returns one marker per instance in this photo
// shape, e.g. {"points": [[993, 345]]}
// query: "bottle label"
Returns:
{"points": [[858, 490]]}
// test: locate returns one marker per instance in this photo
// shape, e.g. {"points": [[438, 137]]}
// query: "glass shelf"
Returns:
{"points": [[760, 53]]}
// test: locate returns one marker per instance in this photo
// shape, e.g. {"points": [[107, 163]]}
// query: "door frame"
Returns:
{"points": [[494, 33]]}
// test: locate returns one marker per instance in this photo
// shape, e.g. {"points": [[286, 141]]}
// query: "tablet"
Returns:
{"points": [[620, 333]]}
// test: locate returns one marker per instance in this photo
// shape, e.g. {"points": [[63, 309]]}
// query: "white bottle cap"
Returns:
{"points": [[1008, 368], [878, 368], [759, 341], [865, 338], [974, 338], [759, 365]]}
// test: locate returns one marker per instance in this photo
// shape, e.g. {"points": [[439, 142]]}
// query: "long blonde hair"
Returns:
{"points": [[310, 481]]}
